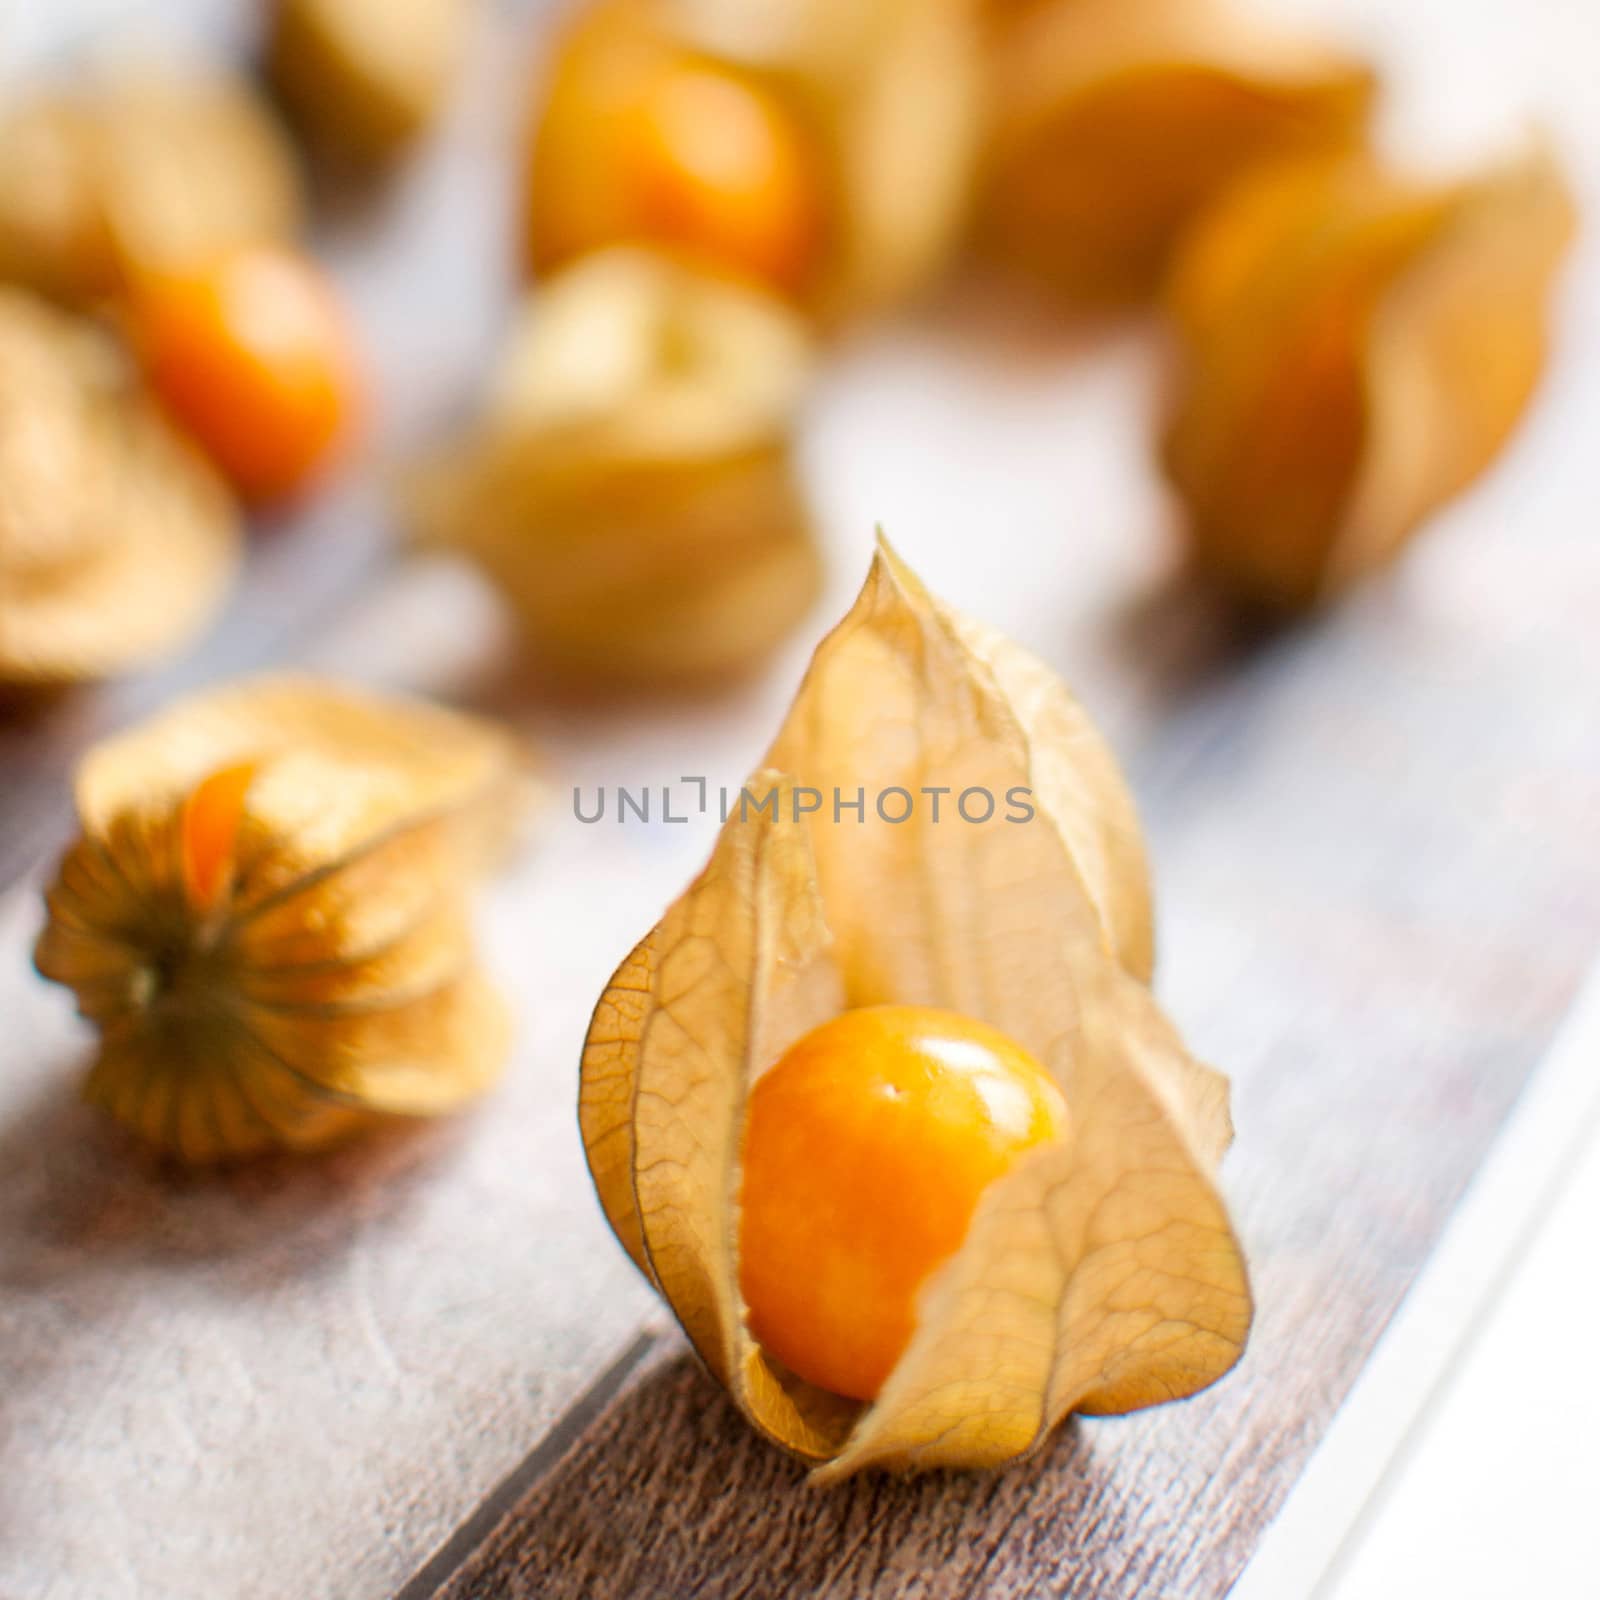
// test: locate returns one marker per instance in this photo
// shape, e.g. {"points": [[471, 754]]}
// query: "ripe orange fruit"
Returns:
{"points": [[867, 1147], [209, 833], [253, 355], [641, 142], [719, 172]]}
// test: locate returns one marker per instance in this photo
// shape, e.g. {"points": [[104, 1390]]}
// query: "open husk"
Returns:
{"points": [[631, 484], [266, 916], [117, 542], [886, 99], [137, 169], [1354, 349], [1116, 122], [367, 77], [1101, 1273]]}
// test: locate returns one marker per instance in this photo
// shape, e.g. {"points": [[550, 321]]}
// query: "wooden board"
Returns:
{"points": [[1381, 887], [1379, 879]]}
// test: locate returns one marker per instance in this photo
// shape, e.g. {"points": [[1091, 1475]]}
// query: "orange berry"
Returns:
{"points": [[253, 355], [719, 172], [209, 833], [641, 142], [867, 1147]]}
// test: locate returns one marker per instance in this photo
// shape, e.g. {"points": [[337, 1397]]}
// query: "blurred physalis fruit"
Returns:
{"points": [[266, 916], [631, 483], [253, 352], [1117, 121], [822, 149], [1354, 349], [640, 140], [117, 541], [138, 169], [366, 77], [919, 1238]]}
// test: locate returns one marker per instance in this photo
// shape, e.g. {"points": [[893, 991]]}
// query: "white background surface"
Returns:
{"points": [[1495, 1494], [1464, 1462]]}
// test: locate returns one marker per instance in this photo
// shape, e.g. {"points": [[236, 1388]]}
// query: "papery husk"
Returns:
{"points": [[366, 78], [888, 94], [117, 541], [1355, 348], [1101, 1273], [1117, 121], [896, 91], [333, 985], [631, 485], [138, 169]]}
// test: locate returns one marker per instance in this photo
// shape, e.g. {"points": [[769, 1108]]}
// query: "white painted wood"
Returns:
{"points": [[1467, 1414], [1495, 1495]]}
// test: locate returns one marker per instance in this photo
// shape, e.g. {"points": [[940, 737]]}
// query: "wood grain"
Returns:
{"points": [[1381, 894]]}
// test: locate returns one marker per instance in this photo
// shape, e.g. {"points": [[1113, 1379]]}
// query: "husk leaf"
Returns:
{"points": [[335, 984], [137, 170], [366, 77], [887, 99], [117, 542], [895, 92], [1101, 1273], [1117, 121], [1395, 333], [631, 485]]}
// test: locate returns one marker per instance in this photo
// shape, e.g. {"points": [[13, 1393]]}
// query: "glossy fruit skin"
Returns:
{"points": [[642, 142], [867, 1148], [252, 353]]}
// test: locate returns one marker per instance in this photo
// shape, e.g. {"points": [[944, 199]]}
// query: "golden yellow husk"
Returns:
{"points": [[117, 542], [1354, 349], [888, 96], [1115, 122], [136, 169], [367, 77], [1101, 1274], [631, 484], [294, 963]]}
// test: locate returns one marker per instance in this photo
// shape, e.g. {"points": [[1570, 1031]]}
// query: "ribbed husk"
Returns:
{"points": [[887, 94], [137, 169], [365, 78], [1101, 1273], [1354, 349], [319, 977], [1115, 122], [631, 485], [117, 542]]}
